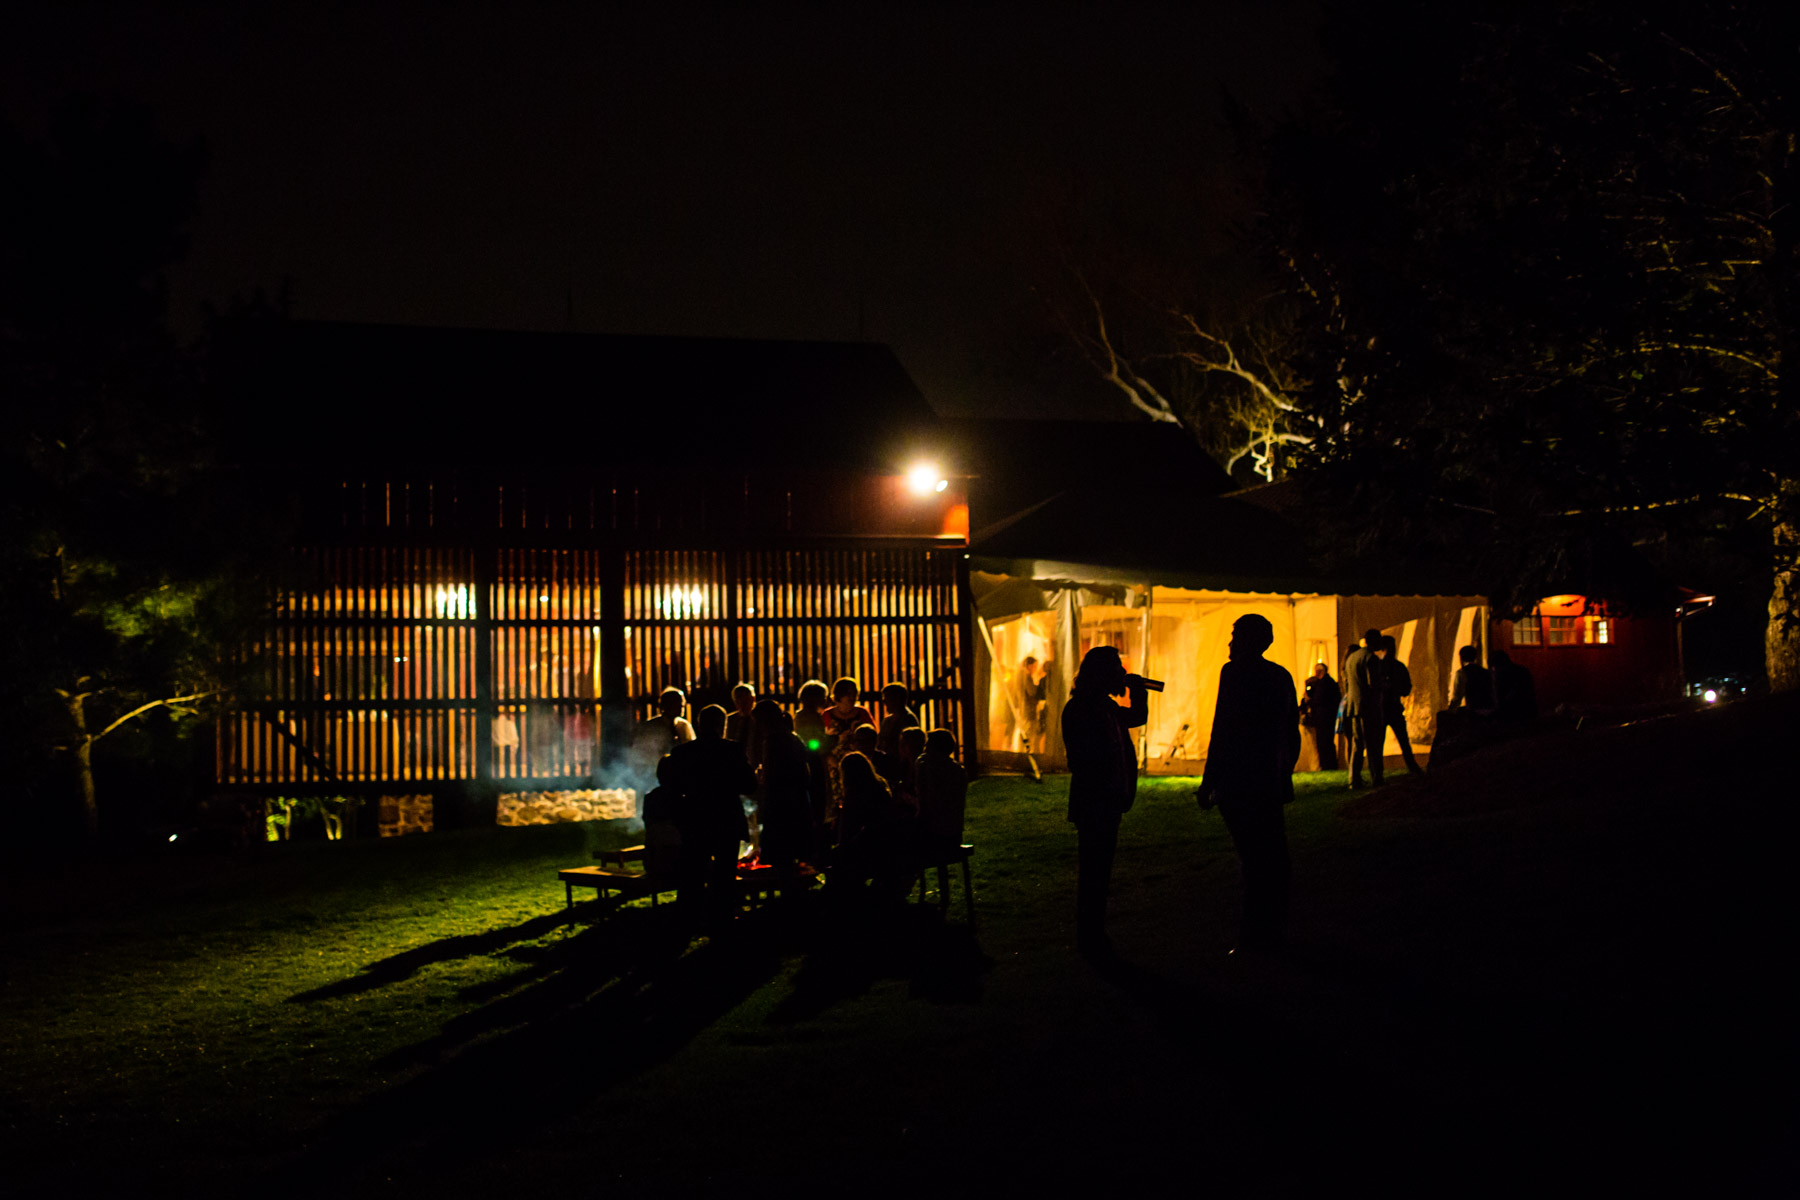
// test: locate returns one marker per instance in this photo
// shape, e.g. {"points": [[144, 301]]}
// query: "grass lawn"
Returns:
{"points": [[1561, 965]]}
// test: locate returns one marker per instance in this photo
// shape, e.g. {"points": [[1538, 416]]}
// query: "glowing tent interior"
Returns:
{"points": [[1156, 557]]}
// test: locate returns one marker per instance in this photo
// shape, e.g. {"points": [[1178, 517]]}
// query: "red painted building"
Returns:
{"points": [[1582, 653]]}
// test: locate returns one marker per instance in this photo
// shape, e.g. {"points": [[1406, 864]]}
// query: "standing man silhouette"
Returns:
{"points": [[1319, 714], [1365, 677], [1393, 708], [1250, 774], [1102, 781]]}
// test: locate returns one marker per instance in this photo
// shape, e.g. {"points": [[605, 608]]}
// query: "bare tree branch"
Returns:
{"points": [[1116, 369], [170, 702]]}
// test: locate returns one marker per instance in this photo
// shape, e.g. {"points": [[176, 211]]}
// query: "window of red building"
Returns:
{"points": [[1565, 621]]}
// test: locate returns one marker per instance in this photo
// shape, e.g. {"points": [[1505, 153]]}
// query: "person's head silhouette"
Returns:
{"points": [[772, 718], [710, 722], [893, 698], [1102, 671], [743, 698], [1251, 634]]}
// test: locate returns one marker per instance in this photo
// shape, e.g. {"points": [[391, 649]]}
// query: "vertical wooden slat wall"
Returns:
{"points": [[877, 616], [368, 670], [546, 655], [365, 673]]}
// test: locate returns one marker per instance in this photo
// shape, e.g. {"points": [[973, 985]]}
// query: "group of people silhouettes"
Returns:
{"points": [[1255, 744], [875, 798], [1376, 683], [829, 786], [1249, 777]]}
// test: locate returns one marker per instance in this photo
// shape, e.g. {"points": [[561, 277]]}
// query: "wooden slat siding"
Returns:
{"points": [[769, 617], [359, 666], [878, 616], [544, 655]]}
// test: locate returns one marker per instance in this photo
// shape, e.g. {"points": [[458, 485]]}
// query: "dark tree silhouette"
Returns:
{"points": [[1563, 240], [116, 584]]}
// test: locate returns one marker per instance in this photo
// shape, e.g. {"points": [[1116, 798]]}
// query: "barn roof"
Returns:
{"points": [[312, 392]]}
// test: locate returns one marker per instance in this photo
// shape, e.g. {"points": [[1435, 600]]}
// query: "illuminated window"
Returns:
{"points": [[1538, 630], [1561, 631]]}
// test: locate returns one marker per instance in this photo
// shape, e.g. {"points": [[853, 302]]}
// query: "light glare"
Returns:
{"points": [[924, 479]]}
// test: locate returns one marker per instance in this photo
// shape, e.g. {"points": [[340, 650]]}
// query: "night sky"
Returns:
{"points": [[712, 171]]}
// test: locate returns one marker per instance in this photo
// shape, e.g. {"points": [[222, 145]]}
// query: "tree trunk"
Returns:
{"points": [[1781, 641], [84, 767]]}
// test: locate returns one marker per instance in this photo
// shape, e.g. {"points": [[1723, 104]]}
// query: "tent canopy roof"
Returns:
{"points": [[1203, 542]]}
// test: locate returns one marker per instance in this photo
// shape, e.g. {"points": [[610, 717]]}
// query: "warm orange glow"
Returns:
{"points": [[1562, 606], [956, 521], [924, 479]]}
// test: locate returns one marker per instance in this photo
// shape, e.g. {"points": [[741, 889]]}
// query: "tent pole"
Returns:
{"points": [[987, 639]]}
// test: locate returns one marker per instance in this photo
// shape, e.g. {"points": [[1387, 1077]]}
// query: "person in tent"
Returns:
{"points": [[1319, 714], [1393, 710], [1365, 678]]}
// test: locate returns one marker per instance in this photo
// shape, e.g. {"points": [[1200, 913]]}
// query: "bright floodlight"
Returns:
{"points": [[924, 479], [1712, 697]]}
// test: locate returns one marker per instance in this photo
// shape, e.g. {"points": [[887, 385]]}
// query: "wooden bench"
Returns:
{"points": [[627, 885], [943, 861], [619, 857]]}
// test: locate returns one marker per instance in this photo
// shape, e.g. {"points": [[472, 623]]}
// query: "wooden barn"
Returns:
{"points": [[507, 544]]}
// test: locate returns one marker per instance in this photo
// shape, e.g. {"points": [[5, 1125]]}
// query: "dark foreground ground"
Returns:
{"points": [[1561, 965]]}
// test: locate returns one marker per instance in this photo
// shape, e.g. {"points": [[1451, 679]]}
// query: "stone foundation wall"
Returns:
{"points": [[397, 815], [548, 808]]}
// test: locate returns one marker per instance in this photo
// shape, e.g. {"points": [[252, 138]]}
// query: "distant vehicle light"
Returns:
{"points": [[173, 836], [1712, 697]]}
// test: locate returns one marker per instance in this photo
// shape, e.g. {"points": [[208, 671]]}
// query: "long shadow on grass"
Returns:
{"points": [[398, 967], [852, 948], [1436, 1079], [605, 1005]]}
